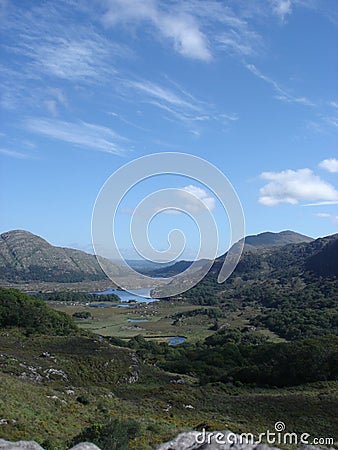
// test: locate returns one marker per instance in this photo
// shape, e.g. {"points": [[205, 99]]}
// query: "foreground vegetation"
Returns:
{"points": [[60, 388]]}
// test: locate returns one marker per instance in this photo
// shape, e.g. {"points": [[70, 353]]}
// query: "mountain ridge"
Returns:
{"points": [[25, 256], [252, 243]]}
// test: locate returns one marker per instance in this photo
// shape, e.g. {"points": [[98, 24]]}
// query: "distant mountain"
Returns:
{"points": [[144, 266], [252, 244], [26, 257], [269, 239], [178, 267], [318, 257]]}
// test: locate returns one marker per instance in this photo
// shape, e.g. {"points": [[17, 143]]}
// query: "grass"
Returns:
{"points": [[161, 320], [52, 410]]}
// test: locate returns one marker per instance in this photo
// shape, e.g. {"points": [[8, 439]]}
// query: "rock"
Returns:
{"points": [[31, 445], [85, 446], [20, 445]]}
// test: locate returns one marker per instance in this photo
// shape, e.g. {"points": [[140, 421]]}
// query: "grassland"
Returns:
{"points": [[53, 387], [163, 318], [96, 384]]}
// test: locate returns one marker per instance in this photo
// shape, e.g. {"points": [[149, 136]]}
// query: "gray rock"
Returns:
{"points": [[20, 445], [85, 446], [31, 445]]}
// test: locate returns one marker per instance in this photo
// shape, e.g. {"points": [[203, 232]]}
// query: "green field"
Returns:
{"points": [[161, 317]]}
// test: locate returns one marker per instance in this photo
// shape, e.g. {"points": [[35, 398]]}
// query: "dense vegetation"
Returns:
{"points": [[32, 315], [292, 288], [73, 296], [109, 435], [233, 357], [60, 390]]}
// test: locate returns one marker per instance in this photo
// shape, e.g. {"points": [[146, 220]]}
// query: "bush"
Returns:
{"points": [[112, 435]]}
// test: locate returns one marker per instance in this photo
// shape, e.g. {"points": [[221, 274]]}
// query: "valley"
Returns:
{"points": [[259, 348]]}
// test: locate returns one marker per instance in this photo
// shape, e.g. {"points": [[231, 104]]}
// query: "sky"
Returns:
{"points": [[87, 87]]}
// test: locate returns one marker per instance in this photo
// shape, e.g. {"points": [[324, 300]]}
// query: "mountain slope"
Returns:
{"points": [[27, 257], [325, 261], [252, 244], [269, 239]]}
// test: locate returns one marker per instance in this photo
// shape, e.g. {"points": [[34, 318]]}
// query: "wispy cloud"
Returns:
{"points": [[294, 186], [14, 154], [161, 94], [281, 94], [81, 134], [180, 28], [46, 44], [240, 42], [331, 165], [178, 103]]}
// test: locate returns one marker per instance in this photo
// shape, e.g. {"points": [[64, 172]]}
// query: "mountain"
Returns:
{"points": [[269, 239], [306, 270], [26, 257], [252, 244]]}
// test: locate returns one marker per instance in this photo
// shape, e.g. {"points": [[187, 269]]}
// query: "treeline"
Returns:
{"points": [[71, 296], [32, 315]]}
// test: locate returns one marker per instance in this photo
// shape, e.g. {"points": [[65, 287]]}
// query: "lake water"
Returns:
{"points": [[176, 340], [138, 295], [137, 320]]}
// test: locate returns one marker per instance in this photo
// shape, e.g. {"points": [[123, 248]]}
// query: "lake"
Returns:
{"points": [[176, 340], [138, 295]]}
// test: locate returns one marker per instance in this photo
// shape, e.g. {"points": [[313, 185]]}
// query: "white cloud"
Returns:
{"points": [[293, 186], [281, 8], [179, 27], [330, 164], [322, 215], [333, 217], [201, 195], [82, 134], [190, 199]]}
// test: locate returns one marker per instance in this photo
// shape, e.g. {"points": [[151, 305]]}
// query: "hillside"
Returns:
{"points": [[26, 257], [32, 316], [62, 389], [252, 244]]}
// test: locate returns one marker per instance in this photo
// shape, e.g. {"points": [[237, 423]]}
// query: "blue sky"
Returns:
{"points": [[249, 86]]}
